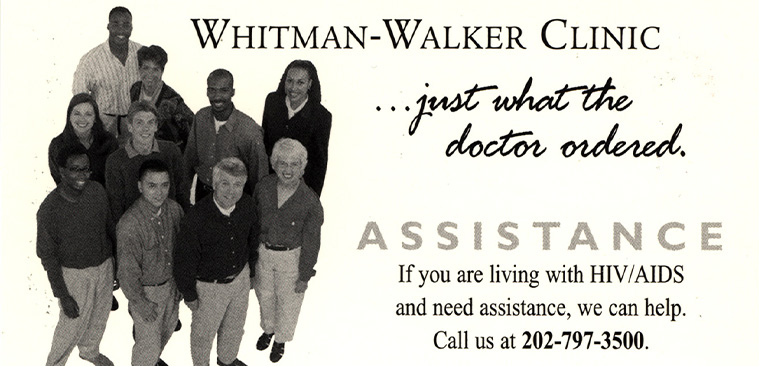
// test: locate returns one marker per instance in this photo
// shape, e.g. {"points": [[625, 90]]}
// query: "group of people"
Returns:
{"points": [[122, 216]]}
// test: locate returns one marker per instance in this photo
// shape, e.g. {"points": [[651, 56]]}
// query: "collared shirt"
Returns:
{"points": [[132, 152], [297, 223], [218, 124], [145, 246], [101, 74], [211, 246], [122, 174], [73, 234], [290, 111], [240, 137], [224, 211]]}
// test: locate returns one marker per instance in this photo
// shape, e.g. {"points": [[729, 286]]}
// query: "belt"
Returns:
{"points": [[222, 281], [278, 248], [115, 115], [160, 284]]}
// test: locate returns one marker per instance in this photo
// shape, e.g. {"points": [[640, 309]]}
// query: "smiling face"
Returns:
{"points": [[297, 83], [154, 187], [227, 189], [220, 92], [150, 74], [76, 173], [143, 126], [82, 118], [119, 28], [289, 168]]}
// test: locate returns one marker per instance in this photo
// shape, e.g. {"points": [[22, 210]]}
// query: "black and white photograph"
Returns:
{"points": [[380, 182]]}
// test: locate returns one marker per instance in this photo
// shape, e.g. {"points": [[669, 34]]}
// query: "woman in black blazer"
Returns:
{"points": [[294, 110]]}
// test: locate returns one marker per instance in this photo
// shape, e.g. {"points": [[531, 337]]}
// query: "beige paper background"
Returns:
{"points": [[702, 76]]}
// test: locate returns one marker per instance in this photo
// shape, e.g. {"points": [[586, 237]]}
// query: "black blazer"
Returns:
{"points": [[310, 126]]}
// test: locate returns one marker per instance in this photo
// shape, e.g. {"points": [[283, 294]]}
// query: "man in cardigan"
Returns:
{"points": [[146, 234], [214, 262], [221, 131], [74, 235]]}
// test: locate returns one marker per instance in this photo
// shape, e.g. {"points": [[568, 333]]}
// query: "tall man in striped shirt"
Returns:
{"points": [[109, 70]]}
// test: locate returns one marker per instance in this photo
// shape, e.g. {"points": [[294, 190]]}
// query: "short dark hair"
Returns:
{"points": [[221, 74], [67, 151], [153, 166], [119, 9], [153, 53]]}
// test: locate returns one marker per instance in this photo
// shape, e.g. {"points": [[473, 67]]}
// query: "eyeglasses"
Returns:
{"points": [[79, 170]]}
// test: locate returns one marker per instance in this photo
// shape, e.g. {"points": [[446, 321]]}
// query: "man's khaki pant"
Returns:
{"points": [[222, 310], [92, 288], [151, 337]]}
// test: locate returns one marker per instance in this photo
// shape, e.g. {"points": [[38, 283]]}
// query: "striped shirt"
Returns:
{"points": [[103, 76]]}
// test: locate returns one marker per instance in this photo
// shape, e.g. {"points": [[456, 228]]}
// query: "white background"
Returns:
{"points": [[702, 76]]}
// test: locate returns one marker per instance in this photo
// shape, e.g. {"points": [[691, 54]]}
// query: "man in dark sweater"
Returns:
{"points": [[74, 241], [214, 261]]}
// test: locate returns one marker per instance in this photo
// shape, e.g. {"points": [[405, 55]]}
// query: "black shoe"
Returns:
{"points": [[236, 362], [277, 350], [114, 304], [179, 325], [161, 363], [263, 341]]}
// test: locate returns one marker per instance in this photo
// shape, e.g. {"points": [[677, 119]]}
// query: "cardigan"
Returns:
{"points": [[212, 246]]}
